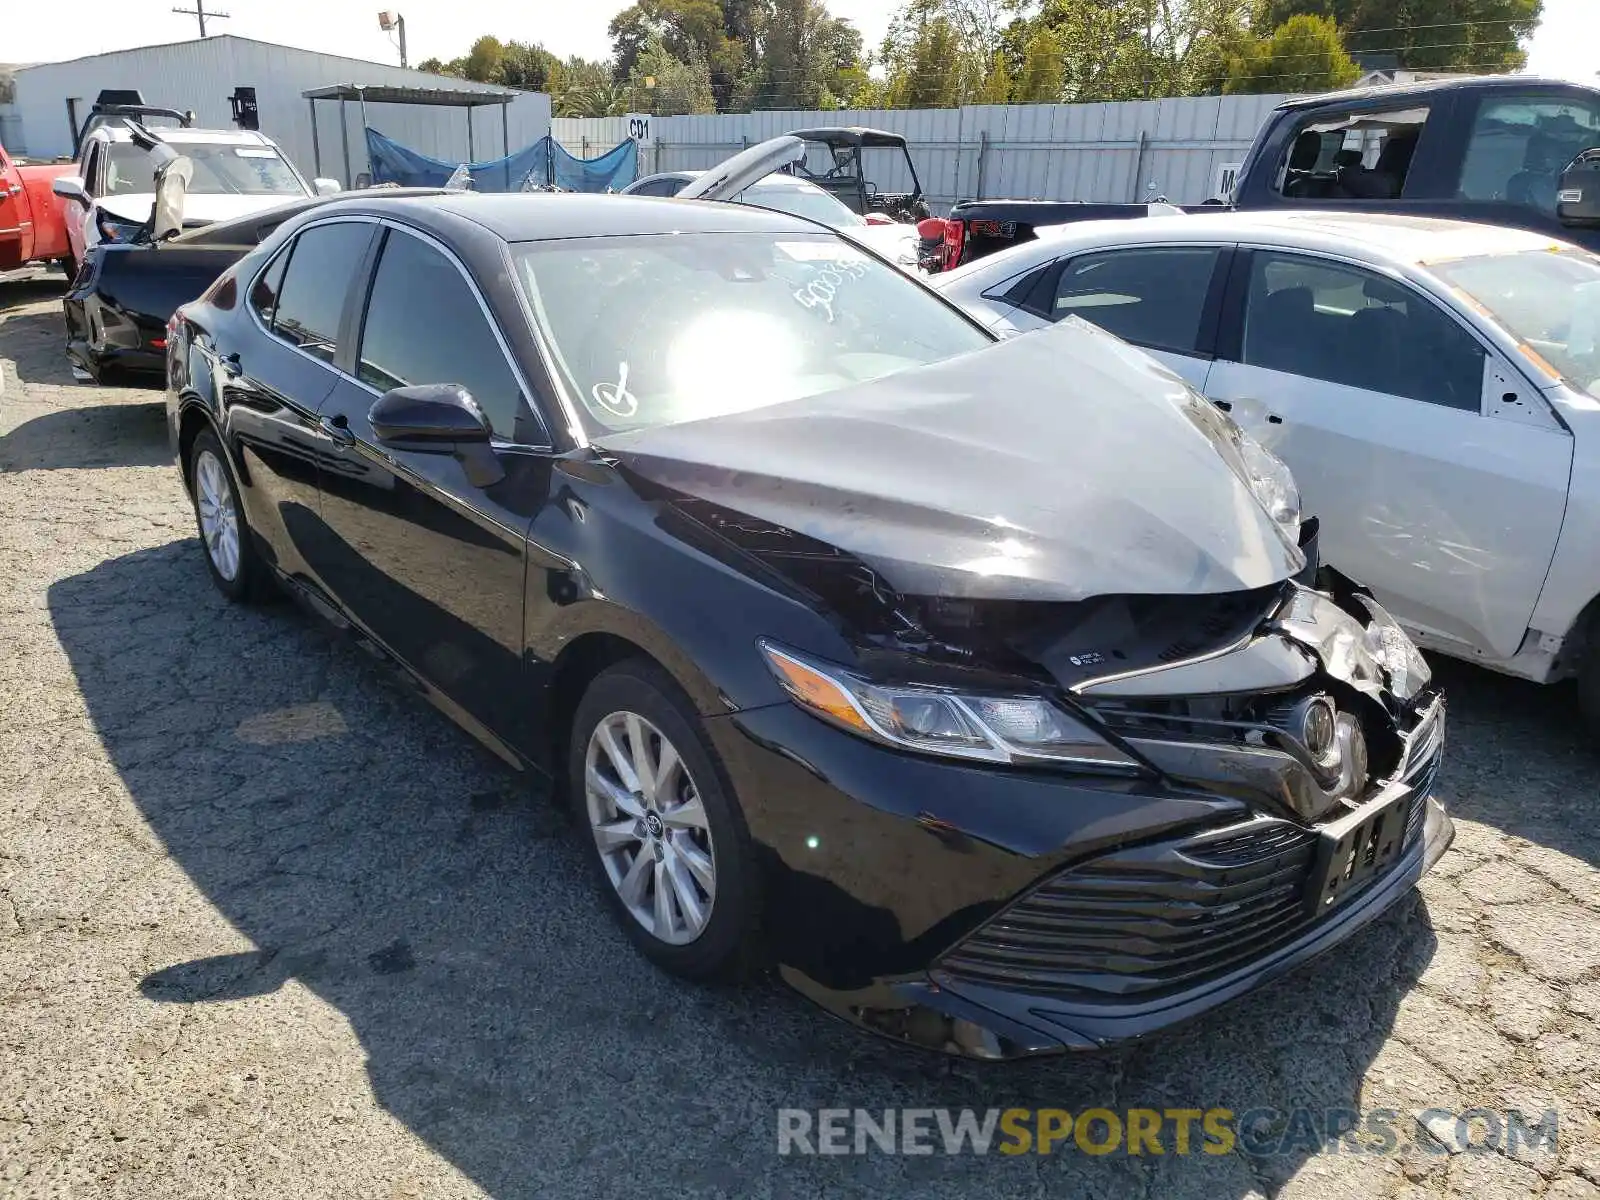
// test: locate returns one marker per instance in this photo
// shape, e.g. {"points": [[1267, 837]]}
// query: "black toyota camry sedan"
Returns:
{"points": [[984, 688]]}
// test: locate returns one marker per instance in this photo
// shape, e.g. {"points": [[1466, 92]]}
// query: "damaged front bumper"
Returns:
{"points": [[963, 1006], [999, 913]]}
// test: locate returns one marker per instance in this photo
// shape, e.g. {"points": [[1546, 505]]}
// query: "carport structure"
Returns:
{"points": [[440, 97]]}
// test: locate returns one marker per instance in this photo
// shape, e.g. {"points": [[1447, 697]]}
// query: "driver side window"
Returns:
{"points": [[424, 324], [1344, 325]]}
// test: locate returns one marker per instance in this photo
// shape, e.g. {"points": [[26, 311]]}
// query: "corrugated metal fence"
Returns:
{"points": [[1097, 152]]}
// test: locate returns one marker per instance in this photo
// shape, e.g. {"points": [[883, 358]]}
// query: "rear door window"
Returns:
{"points": [[311, 298], [1344, 325], [1352, 155], [1150, 296], [1521, 144]]}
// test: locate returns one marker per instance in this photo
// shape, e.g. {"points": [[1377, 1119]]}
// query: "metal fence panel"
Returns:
{"points": [[1122, 151]]}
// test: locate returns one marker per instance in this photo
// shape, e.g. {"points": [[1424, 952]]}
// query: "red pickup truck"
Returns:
{"points": [[32, 228]]}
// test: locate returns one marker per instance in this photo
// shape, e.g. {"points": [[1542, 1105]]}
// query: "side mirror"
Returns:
{"points": [[1578, 200], [166, 218], [70, 186], [327, 187], [439, 416]]}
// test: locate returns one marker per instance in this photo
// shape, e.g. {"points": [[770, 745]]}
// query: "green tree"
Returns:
{"points": [[1304, 54], [580, 87], [799, 54], [526, 66], [667, 86], [934, 55], [1430, 35], [483, 60], [1043, 64], [997, 83]]}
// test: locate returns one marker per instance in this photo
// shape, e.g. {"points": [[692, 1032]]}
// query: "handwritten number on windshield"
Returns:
{"points": [[824, 286]]}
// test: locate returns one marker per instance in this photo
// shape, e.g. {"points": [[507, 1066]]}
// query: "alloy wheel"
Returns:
{"points": [[650, 827], [219, 520]]}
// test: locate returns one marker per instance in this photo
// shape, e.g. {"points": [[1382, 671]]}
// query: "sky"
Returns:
{"points": [[1567, 43]]}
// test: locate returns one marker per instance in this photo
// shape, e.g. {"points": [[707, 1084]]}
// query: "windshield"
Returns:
{"points": [[1548, 300], [218, 170], [811, 203], [658, 329]]}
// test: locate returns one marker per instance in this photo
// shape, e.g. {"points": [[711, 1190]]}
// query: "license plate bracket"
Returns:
{"points": [[1356, 848]]}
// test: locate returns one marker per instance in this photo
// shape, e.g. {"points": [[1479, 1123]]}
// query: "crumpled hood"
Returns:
{"points": [[1056, 466], [197, 207]]}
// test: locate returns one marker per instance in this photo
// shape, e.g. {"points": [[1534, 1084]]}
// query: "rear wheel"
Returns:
{"points": [[670, 848], [231, 556], [69, 264]]}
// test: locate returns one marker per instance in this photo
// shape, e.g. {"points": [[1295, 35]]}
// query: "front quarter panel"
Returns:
{"points": [[605, 560]]}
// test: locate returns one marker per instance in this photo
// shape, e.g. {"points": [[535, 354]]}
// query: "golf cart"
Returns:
{"points": [[840, 172]]}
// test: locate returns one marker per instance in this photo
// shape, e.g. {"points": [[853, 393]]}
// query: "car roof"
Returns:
{"points": [[1400, 92], [544, 216], [1382, 236], [176, 136]]}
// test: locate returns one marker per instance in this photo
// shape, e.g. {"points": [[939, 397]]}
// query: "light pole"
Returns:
{"points": [[390, 20]]}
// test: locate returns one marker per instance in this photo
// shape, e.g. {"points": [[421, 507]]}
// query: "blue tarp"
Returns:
{"points": [[543, 163]]}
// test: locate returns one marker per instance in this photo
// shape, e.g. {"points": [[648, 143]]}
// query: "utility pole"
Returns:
{"points": [[390, 22], [199, 10]]}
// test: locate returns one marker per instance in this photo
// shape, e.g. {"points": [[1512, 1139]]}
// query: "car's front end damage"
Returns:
{"points": [[1086, 746]]}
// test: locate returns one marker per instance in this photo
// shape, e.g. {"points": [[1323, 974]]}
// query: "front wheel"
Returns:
{"points": [[670, 848], [68, 263], [1589, 690]]}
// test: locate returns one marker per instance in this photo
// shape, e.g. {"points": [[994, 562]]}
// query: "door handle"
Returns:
{"points": [[14, 189], [337, 428]]}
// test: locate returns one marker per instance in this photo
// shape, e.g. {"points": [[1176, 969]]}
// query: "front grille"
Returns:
{"points": [[1148, 920]]}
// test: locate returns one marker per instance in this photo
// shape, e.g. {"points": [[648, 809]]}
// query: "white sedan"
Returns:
{"points": [[1434, 386]]}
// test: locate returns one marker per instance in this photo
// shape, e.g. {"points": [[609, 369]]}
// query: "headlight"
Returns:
{"points": [[1395, 651], [939, 721], [115, 229], [1272, 482]]}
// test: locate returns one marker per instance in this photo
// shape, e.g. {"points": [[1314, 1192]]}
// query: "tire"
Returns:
{"points": [[637, 696], [1589, 690], [69, 264], [236, 566]]}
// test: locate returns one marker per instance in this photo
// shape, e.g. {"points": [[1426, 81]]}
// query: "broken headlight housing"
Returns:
{"points": [[989, 728], [1272, 483]]}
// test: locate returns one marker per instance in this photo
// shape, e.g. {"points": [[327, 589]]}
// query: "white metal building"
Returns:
{"points": [[202, 74]]}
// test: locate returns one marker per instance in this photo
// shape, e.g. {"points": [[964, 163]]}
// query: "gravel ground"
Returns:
{"points": [[270, 926]]}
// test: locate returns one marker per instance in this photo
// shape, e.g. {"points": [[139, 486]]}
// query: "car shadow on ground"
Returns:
{"points": [[132, 434], [1508, 737], [370, 851]]}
